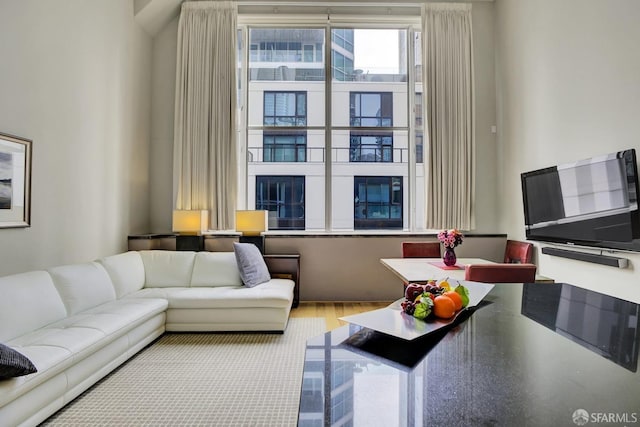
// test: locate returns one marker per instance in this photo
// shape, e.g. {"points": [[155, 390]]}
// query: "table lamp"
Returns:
{"points": [[251, 224], [190, 224]]}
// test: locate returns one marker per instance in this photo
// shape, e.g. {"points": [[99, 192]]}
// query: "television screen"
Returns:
{"points": [[591, 202]]}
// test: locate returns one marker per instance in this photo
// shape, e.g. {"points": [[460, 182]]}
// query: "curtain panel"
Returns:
{"points": [[450, 110], [204, 159]]}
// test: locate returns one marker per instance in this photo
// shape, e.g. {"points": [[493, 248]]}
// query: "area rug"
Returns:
{"points": [[185, 379]]}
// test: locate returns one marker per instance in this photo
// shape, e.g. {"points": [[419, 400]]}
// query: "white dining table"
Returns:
{"points": [[424, 269], [419, 270]]}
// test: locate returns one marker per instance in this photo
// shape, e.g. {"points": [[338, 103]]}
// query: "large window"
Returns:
{"points": [[283, 197], [377, 202], [348, 135]]}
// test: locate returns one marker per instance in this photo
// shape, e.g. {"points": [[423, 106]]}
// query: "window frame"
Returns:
{"points": [[381, 19], [299, 150], [294, 223], [299, 117], [383, 153], [355, 102], [368, 223]]}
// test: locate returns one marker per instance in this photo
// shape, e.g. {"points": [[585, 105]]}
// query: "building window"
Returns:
{"points": [[368, 109], [283, 197], [342, 66], [371, 147], [377, 202], [343, 38], [284, 147], [285, 108], [418, 110]]}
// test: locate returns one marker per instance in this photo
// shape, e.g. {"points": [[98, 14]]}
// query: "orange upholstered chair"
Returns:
{"points": [[420, 249], [500, 273], [518, 252]]}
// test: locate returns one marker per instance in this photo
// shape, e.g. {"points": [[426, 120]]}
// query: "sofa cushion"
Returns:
{"points": [[253, 269], [126, 271], [167, 268], [276, 293], [14, 364], [28, 301], [83, 286], [215, 269]]}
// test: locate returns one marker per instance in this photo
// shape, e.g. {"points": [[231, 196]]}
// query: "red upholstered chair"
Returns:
{"points": [[500, 273], [420, 249], [518, 252]]}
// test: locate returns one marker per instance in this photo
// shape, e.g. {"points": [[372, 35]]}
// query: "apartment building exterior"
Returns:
{"points": [[362, 142]]}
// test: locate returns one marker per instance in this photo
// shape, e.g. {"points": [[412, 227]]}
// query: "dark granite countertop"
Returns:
{"points": [[529, 355]]}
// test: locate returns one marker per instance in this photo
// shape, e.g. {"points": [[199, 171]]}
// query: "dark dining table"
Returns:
{"points": [[533, 354]]}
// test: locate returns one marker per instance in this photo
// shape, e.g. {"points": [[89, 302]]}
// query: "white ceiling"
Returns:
{"points": [[153, 15]]}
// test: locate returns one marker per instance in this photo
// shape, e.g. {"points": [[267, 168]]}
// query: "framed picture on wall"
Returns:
{"points": [[15, 181]]}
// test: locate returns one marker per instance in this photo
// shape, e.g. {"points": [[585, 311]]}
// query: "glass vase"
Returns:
{"points": [[449, 257]]}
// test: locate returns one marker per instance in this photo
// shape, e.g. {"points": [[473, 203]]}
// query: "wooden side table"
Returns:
{"points": [[286, 266]]}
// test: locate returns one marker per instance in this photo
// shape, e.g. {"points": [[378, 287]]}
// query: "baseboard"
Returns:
{"points": [[587, 257]]}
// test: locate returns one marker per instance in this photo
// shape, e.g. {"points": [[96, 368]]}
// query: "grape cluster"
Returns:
{"points": [[408, 307], [434, 288]]}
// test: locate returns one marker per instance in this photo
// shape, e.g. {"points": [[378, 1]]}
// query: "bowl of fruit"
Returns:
{"points": [[442, 299]]}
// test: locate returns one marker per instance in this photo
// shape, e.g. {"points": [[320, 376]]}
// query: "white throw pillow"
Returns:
{"points": [[253, 269]]}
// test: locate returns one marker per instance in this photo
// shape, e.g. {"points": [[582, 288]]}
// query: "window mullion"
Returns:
{"points": [[328, 158], [411, 123]]}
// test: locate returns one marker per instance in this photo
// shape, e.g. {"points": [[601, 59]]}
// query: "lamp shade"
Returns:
{"points": [[190, 221], [251, 223]]}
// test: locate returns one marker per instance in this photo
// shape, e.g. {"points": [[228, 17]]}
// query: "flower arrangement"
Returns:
{"points": [[450, 238]]}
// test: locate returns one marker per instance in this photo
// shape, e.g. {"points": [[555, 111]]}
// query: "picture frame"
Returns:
{"points": [[15, 181]]}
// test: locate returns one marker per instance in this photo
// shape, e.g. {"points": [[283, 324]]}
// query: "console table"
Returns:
{"points": [[286, 266], [530, 354]]}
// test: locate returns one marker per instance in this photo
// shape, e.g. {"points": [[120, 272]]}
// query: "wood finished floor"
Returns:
{"points": [[331, 311]]}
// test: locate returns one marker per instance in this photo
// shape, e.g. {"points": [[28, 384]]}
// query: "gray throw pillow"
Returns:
{"points": [[253, 269], [14, 364]]}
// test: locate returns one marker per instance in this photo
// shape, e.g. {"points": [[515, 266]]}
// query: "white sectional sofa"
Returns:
{"points": [[76, 323]]}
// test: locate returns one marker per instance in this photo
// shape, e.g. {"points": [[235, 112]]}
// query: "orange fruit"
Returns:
{"points": [[443, 307], [455, 297]]}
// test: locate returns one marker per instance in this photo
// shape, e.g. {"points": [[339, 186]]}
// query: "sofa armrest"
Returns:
{"points": [[287, 267]]}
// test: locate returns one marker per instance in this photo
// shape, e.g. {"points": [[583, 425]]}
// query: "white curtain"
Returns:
{"points": [[204, 156], [449, 92]]}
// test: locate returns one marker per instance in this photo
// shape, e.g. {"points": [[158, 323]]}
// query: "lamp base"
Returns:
{"points": [[256, 240], [189, 243]]}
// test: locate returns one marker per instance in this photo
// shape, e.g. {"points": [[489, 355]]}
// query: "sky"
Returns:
{"points": [[376, 51]]}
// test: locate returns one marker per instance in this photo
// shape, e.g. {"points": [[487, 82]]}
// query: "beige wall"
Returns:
{"points": [[74, 78], [568, 85], [346, 268], [161, 149]]}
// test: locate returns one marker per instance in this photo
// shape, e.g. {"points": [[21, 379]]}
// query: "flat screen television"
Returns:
{"points": [[591, 202]]}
